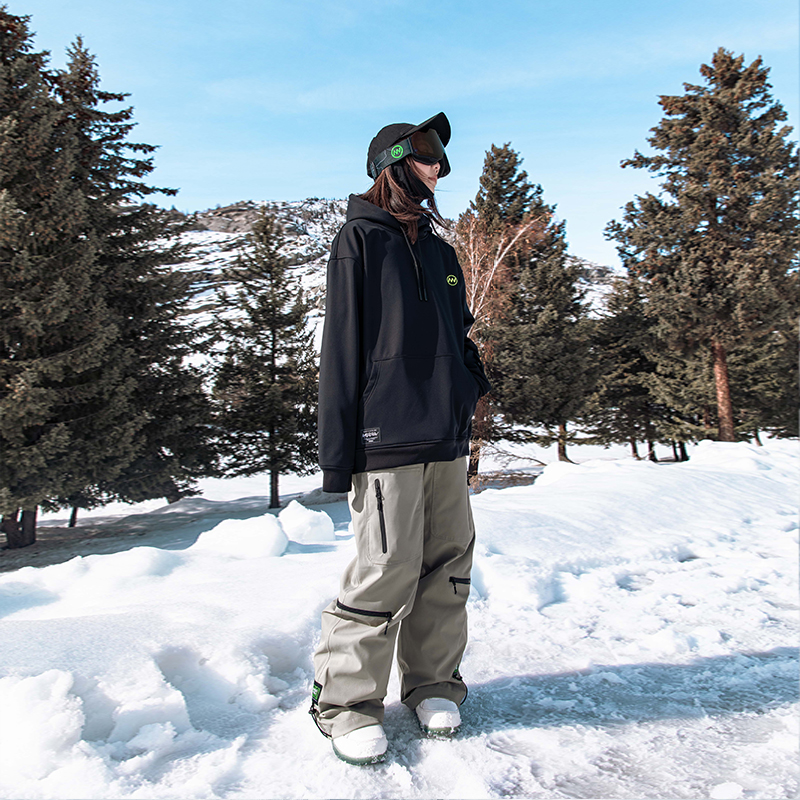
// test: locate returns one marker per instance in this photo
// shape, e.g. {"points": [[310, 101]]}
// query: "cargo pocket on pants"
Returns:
{"points": [[385, 526], [367, 614]]}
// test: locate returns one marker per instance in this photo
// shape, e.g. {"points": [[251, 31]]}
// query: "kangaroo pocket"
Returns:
{"points": [[419, 400]]}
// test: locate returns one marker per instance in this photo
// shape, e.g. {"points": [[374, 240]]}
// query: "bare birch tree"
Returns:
{"points": [[488, 260]]}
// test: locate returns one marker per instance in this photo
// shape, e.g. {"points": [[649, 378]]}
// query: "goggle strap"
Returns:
{"points": [[390, 156]]}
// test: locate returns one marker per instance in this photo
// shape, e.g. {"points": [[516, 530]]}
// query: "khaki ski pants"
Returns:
{"points": [[408, 584]]}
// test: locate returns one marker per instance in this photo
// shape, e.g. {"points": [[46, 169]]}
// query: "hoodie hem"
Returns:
{"points": [[405, 454]]}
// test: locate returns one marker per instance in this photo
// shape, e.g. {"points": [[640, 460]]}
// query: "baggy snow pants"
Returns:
{"points": [[408, 584]]}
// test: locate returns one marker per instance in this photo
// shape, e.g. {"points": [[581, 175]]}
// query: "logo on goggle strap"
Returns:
{"points": [[397, 151], [452, 280]]}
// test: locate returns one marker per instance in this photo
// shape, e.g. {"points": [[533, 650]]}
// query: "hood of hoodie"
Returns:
{"points": [[359, 208]]}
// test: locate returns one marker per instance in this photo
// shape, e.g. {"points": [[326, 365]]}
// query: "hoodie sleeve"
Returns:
{"points": [[339, 372]]}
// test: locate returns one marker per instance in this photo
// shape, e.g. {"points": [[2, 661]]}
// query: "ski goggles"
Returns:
{"points": [[424, 146]]}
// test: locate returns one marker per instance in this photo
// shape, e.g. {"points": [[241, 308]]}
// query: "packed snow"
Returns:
{"points": [[633, 631]]}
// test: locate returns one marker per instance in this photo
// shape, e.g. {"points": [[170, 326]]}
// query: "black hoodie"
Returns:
{"points": [[399, 379]]}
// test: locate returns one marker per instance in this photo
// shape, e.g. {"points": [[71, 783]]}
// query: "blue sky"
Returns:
{"points": [[265, 100]]}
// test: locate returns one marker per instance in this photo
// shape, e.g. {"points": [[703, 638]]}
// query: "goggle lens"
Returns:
{"points": [[426, 145]]}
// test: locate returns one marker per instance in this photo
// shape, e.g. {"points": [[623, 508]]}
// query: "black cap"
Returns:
{"points": [[391, 134]]}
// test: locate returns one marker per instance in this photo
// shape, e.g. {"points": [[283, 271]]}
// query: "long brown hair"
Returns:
{"points": [[388, 194]]}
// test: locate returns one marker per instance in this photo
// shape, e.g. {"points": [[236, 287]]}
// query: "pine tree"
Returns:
{"points": [[55, 329], [622, 408], [506, 195], [683, 384], [717, 249], [87, 372], [536, 350], [543, 370], [149, 299], [764, 379], [266, 383]]}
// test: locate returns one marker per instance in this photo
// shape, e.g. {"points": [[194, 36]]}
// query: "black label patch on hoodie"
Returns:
{"points": [[370, 435]]}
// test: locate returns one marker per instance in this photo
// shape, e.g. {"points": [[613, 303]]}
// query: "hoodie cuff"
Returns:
{"points": [[336, 481]]}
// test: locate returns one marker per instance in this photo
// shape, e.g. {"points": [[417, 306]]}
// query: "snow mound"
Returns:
{"points": [[52, 723], [257, 537], [306, 526]]}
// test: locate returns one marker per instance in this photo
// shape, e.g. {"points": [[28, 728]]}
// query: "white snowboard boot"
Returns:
{"points": [[438, 717], [362, 746]]}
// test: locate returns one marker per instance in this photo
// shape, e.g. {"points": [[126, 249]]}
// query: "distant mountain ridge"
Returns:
{"points": [[219, 236]]}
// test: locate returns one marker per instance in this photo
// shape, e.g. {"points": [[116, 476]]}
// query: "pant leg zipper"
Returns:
{"points": [[456, 581], [387, 615], [384, 546]]}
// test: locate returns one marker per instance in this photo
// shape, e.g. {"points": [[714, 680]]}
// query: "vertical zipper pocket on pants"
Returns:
{"points": [[456, 581], [379, 496]]}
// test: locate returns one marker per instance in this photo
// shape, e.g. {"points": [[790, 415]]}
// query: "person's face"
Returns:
{"points": [[428, 173]]}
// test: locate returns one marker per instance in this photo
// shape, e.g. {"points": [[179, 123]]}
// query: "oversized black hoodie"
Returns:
{"points": [[399, 379]]}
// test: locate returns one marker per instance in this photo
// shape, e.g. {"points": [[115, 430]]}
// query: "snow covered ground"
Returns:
{"points": [[633, 635]]}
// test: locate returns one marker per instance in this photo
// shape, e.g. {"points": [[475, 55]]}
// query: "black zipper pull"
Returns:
{"points": [[456, 581]]}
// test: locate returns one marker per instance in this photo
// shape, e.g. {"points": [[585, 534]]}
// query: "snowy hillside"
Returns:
{"points": [[633, 631], [309, 227]]}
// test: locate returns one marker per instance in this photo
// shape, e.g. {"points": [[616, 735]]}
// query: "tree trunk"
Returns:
{"points": [[562, 442], [172, 494], [675, 453], [757, 439], [682, 448], [634, 449], [481, 429], [649, 433], [475, 446], [724, 405], [20, 533], [73, 517], [9, 525], [274, 500]]}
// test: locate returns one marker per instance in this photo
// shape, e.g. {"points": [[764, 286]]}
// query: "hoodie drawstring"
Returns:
{"points": [[421, 288]]}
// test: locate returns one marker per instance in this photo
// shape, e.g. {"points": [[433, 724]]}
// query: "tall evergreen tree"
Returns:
{"points": [[717, 249], [55, 330], [684, 385], [266, 383], [537, 350], [506, 194], [622, 408], [147, 294], [543, 370], [90, 311]]}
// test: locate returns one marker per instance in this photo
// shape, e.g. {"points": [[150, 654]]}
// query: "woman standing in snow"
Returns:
{"points": [[399, 381]]}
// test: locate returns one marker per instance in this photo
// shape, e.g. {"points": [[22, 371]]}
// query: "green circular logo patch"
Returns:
{"points": [[397, 151], [452, 280]]}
